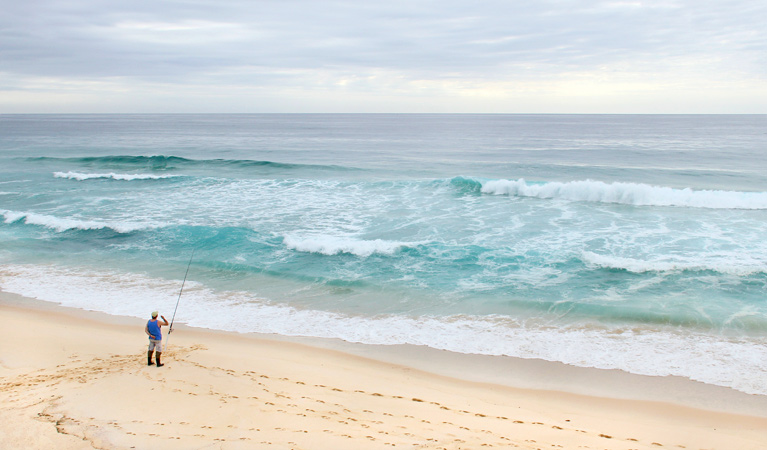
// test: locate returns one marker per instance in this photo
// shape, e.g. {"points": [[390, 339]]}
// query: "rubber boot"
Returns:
{"points": [[149, 358], [159, 364]]}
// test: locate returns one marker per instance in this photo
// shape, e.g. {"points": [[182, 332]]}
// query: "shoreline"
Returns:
{"points": [[478, 397], [508, 371]]}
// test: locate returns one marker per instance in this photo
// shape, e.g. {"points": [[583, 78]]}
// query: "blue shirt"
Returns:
{"points": [[154, 329]]}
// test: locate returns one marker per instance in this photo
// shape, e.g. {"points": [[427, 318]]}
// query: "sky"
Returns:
{"points": [[471, 56]]}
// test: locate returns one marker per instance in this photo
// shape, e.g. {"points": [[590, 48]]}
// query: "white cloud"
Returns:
{"points": [[573, 56], [186, 33]]}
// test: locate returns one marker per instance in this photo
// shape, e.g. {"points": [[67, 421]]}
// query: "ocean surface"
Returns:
{"points": [[611, 241]]}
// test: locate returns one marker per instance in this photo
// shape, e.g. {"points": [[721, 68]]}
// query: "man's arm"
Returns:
{"points": [[164, 320], [146, 330]]}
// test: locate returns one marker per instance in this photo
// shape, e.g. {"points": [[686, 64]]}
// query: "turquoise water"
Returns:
{"points": [[629, 242]]}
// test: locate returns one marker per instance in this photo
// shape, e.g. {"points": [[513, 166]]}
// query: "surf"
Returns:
{"points": [[647, 349]]}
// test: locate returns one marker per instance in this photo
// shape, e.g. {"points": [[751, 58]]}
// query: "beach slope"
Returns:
{"points": [[74, 380]]}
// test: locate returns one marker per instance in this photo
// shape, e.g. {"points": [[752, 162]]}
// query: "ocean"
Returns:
{"points": [[631, 242]]}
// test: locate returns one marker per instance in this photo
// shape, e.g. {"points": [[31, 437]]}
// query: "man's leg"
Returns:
{"points": [[159, 364], [149, 357]]}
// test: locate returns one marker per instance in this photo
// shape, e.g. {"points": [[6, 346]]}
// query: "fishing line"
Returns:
{"points": [[170, 329]]}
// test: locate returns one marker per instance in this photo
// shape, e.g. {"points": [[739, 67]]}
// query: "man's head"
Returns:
{"points": [[154, 315]]}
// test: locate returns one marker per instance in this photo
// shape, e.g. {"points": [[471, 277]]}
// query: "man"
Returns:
{"points": [[152, 330]]}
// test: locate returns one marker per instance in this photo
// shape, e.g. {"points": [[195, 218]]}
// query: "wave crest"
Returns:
{"points": [[466, 184], [330, 245], [162, 162], [60, 224], [727, 264], [628, 194], [114, 176]]}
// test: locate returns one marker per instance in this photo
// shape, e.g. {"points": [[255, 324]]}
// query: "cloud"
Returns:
{"points": [[447, 52]]}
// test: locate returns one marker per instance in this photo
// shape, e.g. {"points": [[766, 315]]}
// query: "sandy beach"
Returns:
{"points": [[72, 379]]}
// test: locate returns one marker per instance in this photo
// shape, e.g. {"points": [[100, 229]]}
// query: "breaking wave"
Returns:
{"points": [[114, 176], [329, 245], [628, 194], [732, 264], [61, 224]]}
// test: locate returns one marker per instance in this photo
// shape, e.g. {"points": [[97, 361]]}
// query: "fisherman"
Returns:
{"points": [[154, 332]]}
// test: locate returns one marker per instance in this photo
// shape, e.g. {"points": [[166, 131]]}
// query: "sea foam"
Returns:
{"points": [[628, 194]]}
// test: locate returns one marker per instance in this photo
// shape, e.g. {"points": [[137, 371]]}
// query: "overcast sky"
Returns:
{"points": [[532, 56]]}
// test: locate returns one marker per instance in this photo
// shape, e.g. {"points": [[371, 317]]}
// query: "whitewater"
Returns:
{"points": [[616, 242]]}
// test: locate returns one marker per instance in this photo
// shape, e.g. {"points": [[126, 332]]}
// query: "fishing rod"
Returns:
{"points": [[170, 329]]}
